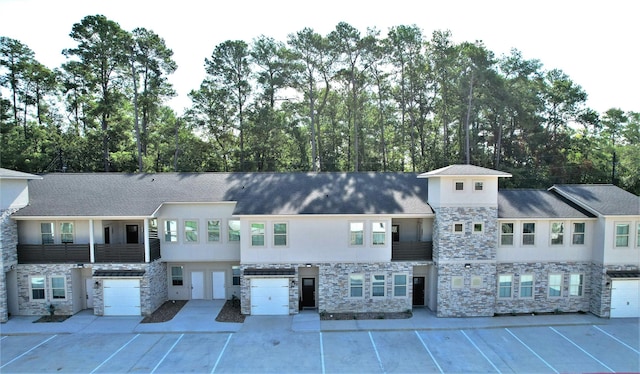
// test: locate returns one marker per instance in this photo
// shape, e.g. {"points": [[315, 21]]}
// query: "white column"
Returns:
{"points": [[147, 247], [92, 254]]}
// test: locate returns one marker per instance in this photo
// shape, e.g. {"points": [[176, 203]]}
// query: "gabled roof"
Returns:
{"points": [[603, 199], [139, 195], [464, 170], [12, 174], [537, 204]]}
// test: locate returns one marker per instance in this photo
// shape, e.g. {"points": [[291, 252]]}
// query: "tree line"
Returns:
{"points": [[345, 101]]}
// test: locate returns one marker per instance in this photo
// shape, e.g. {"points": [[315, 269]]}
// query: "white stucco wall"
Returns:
{"points": [[442, 192], [620, 255], [14, 193]]}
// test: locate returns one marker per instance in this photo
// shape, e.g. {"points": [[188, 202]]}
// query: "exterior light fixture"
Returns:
{"points": [[467, 266]]}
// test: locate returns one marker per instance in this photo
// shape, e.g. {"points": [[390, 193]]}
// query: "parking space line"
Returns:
{"points": [[221, 353], [532, 351], [27, 351], [480, 350], [167, 354], [322, 352], [114, 353], [376, 350], [618, 340], [429, 352], [580, 348]]}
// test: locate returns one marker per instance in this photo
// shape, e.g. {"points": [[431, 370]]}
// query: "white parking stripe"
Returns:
{"points": [[114, 353], [166, 354], [618, 340], [532, 351], [580, 348], [479, 350], [429, 352], [221, 353], [322, 352], [376, 350], [28, 351]]}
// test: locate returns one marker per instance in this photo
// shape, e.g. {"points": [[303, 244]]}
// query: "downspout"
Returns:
{"points": [[92, 253]]}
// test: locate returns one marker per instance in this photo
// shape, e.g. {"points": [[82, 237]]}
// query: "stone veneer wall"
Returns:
{"points": [[451, 251], [41, 307], [541, 302], [154, 287], [8, 256], [600, 301]]}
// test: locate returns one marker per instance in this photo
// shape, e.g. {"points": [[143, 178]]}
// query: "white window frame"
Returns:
{"points": [[576, 289], [454, 226], [376, 283], [477, 281], [457, 281], [574, 233], [167, 232], [400, 286], [473, 227], [477, 184], [530, 287], [280, 235], [375, 242], [512, 234], [210, 231], [455, 186], [353, 286], [559, 285], [187, 233], [258, 235], [63, 234], [177, 277], [529, 234], [44, 288], [560, 234], [353, 234], [51, 235], [501, 287], [616, 235], [63, 288], [231, 231]]}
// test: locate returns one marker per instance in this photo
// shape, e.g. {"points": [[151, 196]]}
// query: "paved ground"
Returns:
{"points": [[297, 344]]}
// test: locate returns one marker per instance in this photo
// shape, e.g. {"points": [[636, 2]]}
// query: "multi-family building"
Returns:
{"points": [[449, 240]]}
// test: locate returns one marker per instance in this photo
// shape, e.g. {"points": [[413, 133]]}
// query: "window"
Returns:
{"points": [[356, 233], [458, 228], [578, 233], [557, 233], [234, 230], [177, 276], [171, 230], [213, 230], [279, 234], [58, 289], [66, 232], [235, 272], [526, 285], [37, 288], [399, 285], [638, 235], [478, 228], [153, 228], [377, 285], [576, 282], [457, 282], [478, 186], [379, 233], [528, 233], [504, 286], [356, 283], [191, 231], [459, 186], [476, 281], [622, 235], [46, 231], [555, 285], [506, 234], [257, 234]]}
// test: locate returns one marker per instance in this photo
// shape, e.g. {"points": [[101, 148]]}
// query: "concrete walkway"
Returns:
{"points": [[199, 316]]}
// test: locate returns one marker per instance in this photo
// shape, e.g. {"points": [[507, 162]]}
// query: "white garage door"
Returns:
{"points": [[269, 296], [625, 298], [121, 297]]}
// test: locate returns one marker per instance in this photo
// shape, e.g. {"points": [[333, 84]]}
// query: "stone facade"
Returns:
{"points": [[476, 296], [9, 256], [28, 306]]}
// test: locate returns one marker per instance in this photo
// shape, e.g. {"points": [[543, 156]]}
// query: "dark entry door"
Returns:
{"points": [[107, 235], [418, 290], [308, 292], [132, 234]]}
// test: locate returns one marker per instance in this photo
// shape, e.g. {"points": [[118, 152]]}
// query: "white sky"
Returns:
{"points": [[595, 42]]}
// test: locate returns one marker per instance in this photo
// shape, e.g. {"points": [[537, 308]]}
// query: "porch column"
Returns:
{"points": [[147, 246], [92, 254]]}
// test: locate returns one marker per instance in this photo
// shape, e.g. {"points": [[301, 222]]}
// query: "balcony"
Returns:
{"points": [[79, 253], [411, 251]]}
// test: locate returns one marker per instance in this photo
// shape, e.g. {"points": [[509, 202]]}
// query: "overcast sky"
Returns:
{"points": [[595, 42]]}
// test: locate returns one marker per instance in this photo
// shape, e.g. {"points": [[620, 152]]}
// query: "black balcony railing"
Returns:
{"points": [[79, 253], [411, 251]]}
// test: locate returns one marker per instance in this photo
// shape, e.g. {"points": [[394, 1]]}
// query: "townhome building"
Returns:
{"points": [[449, 240]]}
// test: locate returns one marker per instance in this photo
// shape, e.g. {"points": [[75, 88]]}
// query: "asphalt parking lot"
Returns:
{"points": [[610, 347]]}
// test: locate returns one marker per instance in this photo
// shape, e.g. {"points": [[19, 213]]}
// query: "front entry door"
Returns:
{"points": [[217, 278], [132, 234], [308, 292], [197, 285], [418, 291]]}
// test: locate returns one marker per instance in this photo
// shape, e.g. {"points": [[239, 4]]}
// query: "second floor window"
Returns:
{"points": [[171, 231], [378, 233], [46, 231], [191, 231], [622, 235], [356, 233], [578, 233], [257, 234], [506, 234], [213, 230], [279, 234], [234, 230], [557, 233], [528, 233]]}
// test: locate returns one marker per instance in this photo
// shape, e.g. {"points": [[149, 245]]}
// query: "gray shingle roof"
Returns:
{"points": [[605, 199], [536, 204], [120, 195], [463, 170]]}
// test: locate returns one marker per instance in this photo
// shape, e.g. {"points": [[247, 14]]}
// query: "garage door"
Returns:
{"points": [[269, 297], [625, 298], [121, 297]]}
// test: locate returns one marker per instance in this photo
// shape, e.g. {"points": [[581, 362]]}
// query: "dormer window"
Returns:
{"points": [[459, 186]]}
